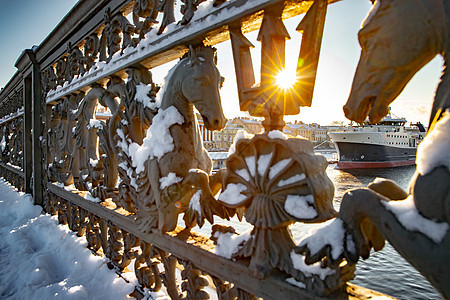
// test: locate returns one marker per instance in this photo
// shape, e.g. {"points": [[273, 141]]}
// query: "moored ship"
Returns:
{"points": [[382, 145]]}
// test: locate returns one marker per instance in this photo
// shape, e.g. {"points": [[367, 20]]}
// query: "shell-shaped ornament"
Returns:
{"points": [[278, 180]]}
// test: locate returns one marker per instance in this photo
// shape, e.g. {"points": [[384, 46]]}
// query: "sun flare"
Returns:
{"points": [[285, 79]]}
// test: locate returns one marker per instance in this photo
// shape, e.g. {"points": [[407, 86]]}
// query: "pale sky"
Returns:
{"points": [[24, 23]]}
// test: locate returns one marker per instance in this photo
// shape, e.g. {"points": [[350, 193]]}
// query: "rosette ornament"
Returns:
{"points": [[276, 181]]}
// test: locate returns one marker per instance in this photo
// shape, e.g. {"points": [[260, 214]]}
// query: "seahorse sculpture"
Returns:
{"points": [[397, 39], [166, 164]]}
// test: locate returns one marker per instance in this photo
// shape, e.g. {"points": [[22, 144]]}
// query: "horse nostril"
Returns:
{"points": [[216, 122]]}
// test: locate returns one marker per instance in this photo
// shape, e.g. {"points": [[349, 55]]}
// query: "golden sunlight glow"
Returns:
{"points": [[285, 79]]}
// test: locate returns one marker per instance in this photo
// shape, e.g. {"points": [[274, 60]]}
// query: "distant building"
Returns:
{"points": [[208, 136], [225, 138], [316, 133], [252, 126], [298, 129], [218, 159], [222, 140]]}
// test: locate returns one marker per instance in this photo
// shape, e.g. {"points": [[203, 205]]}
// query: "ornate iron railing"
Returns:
{"points": [[123, 183], [11, 134]]}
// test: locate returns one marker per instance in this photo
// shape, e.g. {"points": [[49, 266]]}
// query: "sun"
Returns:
{"points": [[285, 79]]}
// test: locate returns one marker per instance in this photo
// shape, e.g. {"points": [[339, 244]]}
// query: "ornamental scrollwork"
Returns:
{"points": [[117, 34], [96, 233], [193, 282], [91, 51], [147, 10], [12, 104], [62, 70], [11, 143], [48, 79], [75, 62], [146, 268]]}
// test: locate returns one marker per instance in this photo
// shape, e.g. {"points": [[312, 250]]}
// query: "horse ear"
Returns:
{"points": [[192, 55]]}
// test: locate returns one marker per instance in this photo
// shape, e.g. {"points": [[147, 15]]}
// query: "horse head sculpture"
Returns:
{"points": [[393, 49], [204, 84], [198, 82]]}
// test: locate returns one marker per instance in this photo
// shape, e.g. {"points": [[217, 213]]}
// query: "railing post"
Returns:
{"points": [[27, 125], [33, 114], [37, 116]]}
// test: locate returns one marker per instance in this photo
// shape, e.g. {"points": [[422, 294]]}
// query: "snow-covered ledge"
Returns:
{"points": [[12, 116]]}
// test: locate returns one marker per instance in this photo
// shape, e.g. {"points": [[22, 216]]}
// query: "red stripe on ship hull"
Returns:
{"points": [[371, 165]]}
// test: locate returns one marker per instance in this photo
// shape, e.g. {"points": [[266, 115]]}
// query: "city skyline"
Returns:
{"points": [[337, 63]]}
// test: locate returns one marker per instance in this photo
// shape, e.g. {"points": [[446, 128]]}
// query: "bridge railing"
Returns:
{"points": [[11, 133], [86, 171]]}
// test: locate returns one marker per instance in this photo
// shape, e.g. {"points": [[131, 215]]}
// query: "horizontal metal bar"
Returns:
{"points": [[13, 169], [10, 118]]}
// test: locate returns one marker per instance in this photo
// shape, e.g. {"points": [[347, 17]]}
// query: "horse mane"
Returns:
{"points": [[163, 86]]}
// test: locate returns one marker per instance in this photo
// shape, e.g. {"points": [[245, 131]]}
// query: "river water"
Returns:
{"points": [[385, 271]]}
